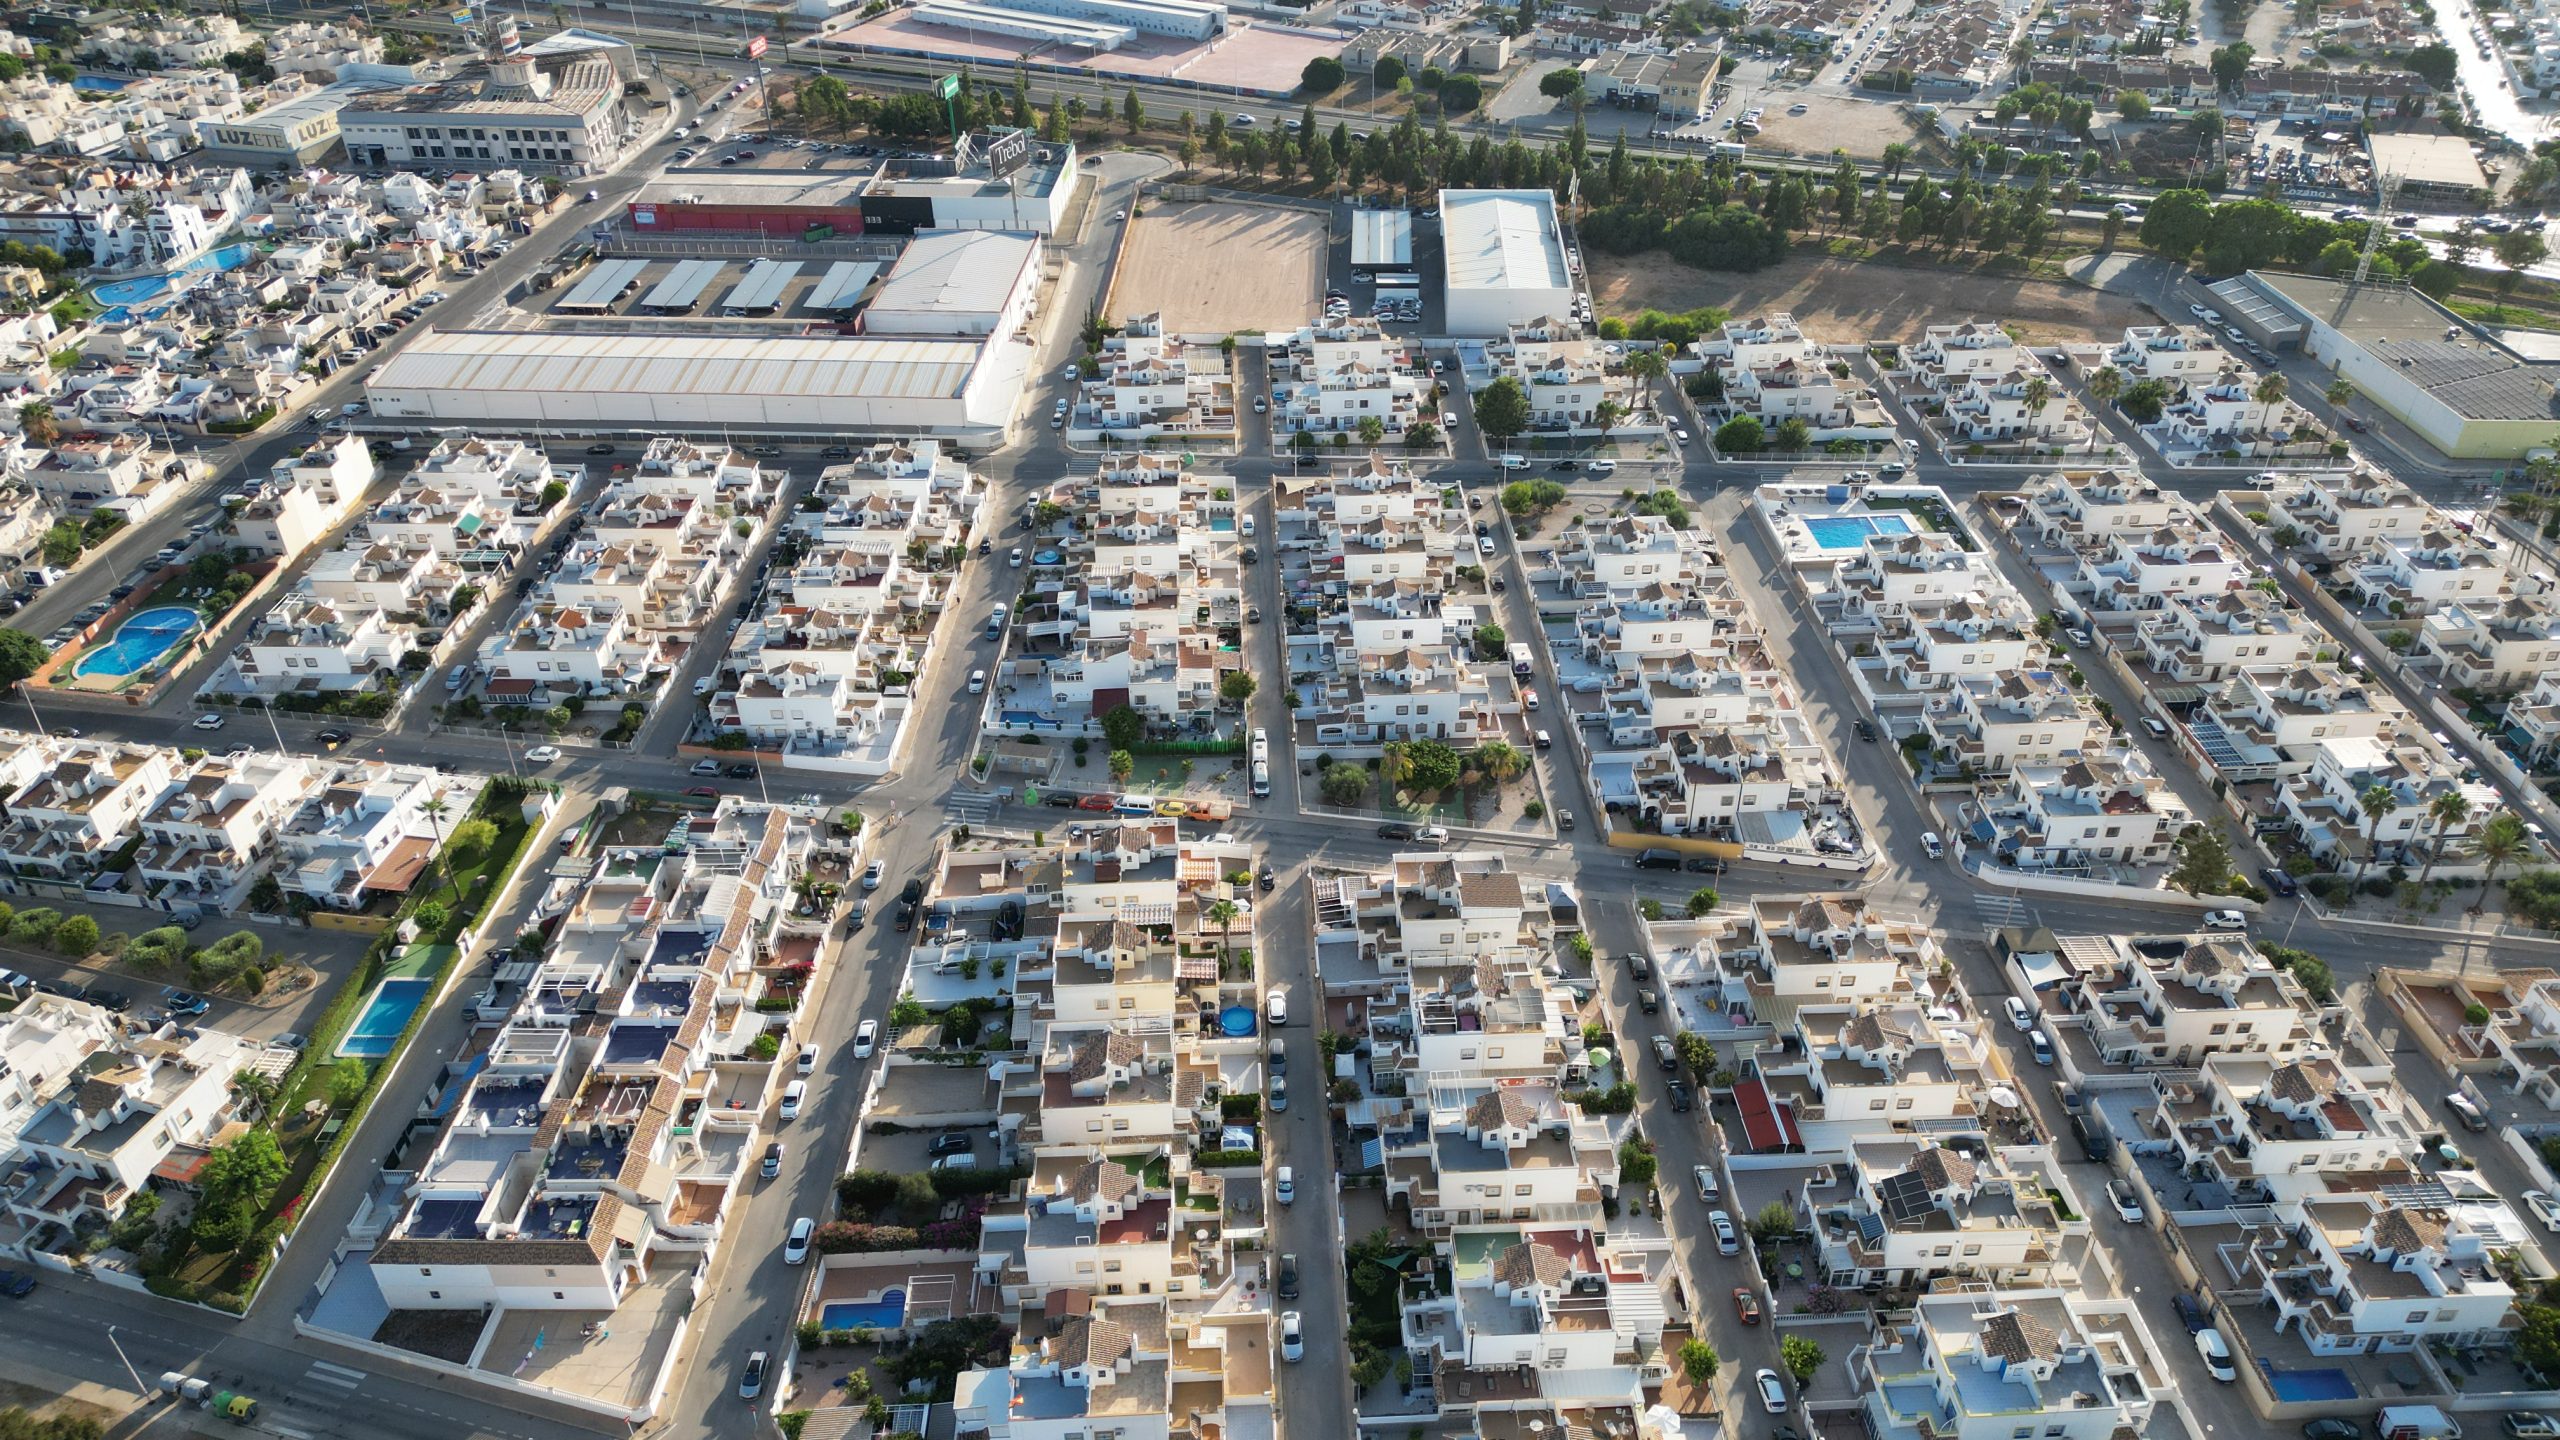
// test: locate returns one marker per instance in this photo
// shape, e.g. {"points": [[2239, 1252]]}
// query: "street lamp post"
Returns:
{"points": [[139, 1387]]}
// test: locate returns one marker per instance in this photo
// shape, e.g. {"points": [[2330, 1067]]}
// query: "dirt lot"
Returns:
{"points": [[1212, 268], [1830, 122], [1842, 301]]}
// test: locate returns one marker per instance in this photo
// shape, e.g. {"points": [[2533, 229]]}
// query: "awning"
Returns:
{"points": [[1765, 1123], [509, 686], [182, 1165], [400, 869]]}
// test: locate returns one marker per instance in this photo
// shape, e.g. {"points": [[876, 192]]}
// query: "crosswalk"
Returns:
{"points": [[1999, 910], [969, 808], [334, 1379]]}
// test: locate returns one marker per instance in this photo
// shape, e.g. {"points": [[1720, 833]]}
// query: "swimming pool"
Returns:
{"points": [[385, 1015], [148, 287], [141, 642], [98, 84], [1849, 532], [2296, 1386], [886, 1313], [1236, 1021]]}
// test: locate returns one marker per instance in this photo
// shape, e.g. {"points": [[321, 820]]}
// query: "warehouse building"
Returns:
{"points": [[915, 195], [831, 385], [1381, 239], [976, 19], [558, 110], [2432, 166], [1504, 255], [2459, 389], [958, 282]]}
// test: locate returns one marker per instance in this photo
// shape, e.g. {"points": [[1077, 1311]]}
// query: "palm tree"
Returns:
{"points": [[2448, 809], [35, 421], [1498, 759], [2339, 392], [1896, 156], [2106, 383], [2503, 841], [1225, 913], [1394, 766], [256, 1090], [1605, 415], [1647, 365], [2376, 802], [2039, 392], [2270, 389], [435, 810]]}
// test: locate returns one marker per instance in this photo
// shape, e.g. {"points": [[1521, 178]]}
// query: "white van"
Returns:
{"points": [[1509, 461], [792, 1095]]}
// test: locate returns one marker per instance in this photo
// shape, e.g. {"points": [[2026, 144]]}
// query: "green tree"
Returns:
{"points": [[1132, 113], [1698, 1361], [471, 839], [1236, 687], [1489, 641], [1388, 73], [76, 937], [2144, 401], [1223, 914], [2178, 222], [36, 423], [1801, 1357], [1500, 760], [2518, 250], [1123, 728], [2377, 802], [21, 655], [1430, 766], [1702, 902], [2132, 104], [1502, 409], [1772, 1221], [1565, 82], [2230, 63], [1323, 76], [1461, 93], [1343, 785], [1740, 435], [2433, 64], [1123, 764], [2204, 861], [346, 1084]]}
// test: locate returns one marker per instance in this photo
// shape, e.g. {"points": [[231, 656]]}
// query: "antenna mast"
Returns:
{"points": [[2388, 183]]}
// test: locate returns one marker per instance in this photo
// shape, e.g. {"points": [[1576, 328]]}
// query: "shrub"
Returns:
{"points": [[76, 937], [35, 926]]}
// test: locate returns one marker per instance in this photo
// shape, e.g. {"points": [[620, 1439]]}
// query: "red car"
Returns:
{"points": [[1746, 1305], [2356, 423], [703, 792], [1094, 802]]}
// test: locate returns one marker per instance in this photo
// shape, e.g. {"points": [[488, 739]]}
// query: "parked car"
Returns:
{"points": [[2278, 882], [866, 1038], [2544, 1208], [2128, 1205], [1931, 845], [1710, 1189], [1863, 730], [206, 722], [542, 754], [772, 1165], [751, 1379], [17, 1284], [2332, 1427], [1681, 1098], [1746, 1305], [2019, 1013], [2217, 1355], [2466, 1110], [873, 874], [1773, 1391], [706, 767], [1288, 1277], [949, 1142], [2225, 920], [1728, 1239], [1293, 1337], [795, 1246], [2190, 1314]]}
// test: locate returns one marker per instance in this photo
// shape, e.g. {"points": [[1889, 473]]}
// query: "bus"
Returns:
{"points": [[1261, 763]]}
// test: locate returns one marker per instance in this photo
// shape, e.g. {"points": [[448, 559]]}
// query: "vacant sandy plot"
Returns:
{"points": [[1845, 301], [1213, 269], [1863, 128]]}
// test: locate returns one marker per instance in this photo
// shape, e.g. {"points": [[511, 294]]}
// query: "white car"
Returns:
{"points": [[977, 682], [874, 874], [1015, 560], [2018, 1013], [1284, 1185], [795, 1249], [2128, 1205], [1601, 467], [1728, 1239], [866, 1038], [2197, 311], [1293, 1337], [2217, 1355], [2225, 920], [208, 722], [1773, 1391], [808, 1059], [1931, 845], [2544, 1208], [1449, 420], [1705, 1177], [1484, 544]]}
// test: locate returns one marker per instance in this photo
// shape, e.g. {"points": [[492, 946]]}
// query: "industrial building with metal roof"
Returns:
{"points": [[610, 383], [2445, 378], [957, 282], [1381, 239], [1504, 254]]}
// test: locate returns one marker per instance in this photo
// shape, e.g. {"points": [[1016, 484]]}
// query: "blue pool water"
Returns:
{"points": [[1849, 532], [385, 1016], [149, 287], [886, 1313], [98, 84], [1047, 557], [1236, 1020], [2296, 1386], [140, 641]]}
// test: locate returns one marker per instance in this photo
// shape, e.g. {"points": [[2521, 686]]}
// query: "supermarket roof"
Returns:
{"points": [[957, 270], [1381, 237], [641, 364], [1502, 240]]}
